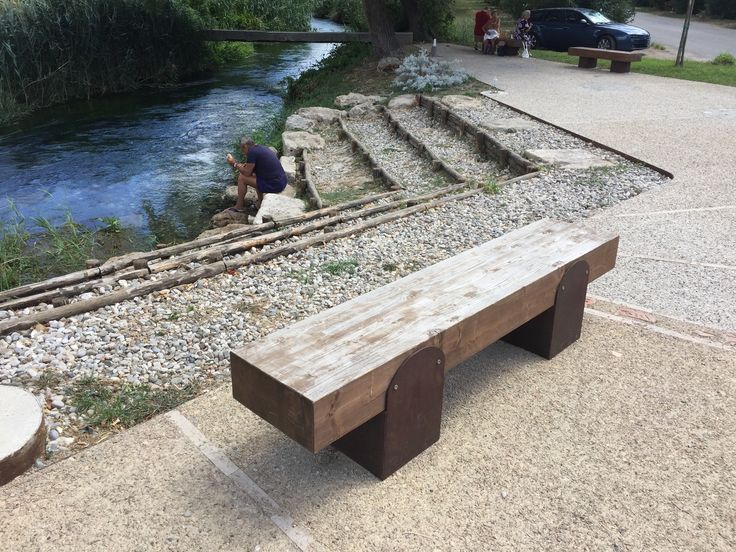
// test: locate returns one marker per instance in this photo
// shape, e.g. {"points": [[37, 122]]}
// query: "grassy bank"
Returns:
{"points": [[702, 71], [53, 51]]}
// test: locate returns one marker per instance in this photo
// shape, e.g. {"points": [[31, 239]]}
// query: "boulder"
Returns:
{"points": [[231, 195], [296, 141], [22, 432], [455, 101], [405, 101], [288, 163], [388, 64], [227, 217], [297, 122], [222, 230], [349, 100], [278, 207], [320, 114], [362, 109]]}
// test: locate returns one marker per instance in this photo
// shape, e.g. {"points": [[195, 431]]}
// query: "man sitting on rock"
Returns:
{"points": [[262, 170]]}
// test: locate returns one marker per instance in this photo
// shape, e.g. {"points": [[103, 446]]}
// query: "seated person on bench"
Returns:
{"points": [[262, 170]]}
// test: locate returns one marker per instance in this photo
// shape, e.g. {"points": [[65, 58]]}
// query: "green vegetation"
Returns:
{"points": [[703, 71], [127, 405], [491, 186], [724, 59], [719, 9], [53, 250], [337, 268], [53, 51]]}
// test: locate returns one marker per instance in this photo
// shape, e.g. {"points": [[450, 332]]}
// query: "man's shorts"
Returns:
{"points": [[271, 186]]}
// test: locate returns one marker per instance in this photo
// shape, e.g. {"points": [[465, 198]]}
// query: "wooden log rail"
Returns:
{"points": [[310, 190], [417, 143], [220, 265], [378, 171], [485, 143], [72, 282], [236, 35]]}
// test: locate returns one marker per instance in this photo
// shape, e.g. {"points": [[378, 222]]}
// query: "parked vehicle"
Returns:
{"points": [[561, 28]]}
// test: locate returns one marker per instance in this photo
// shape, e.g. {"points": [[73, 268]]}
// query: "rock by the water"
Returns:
{"points": [[297, 122], [457, 101], [231, 194], [405, 101], [278, 207], [296, 141], [288, 163], [229, 217], [349, 100], [362, 109], [388, 64], [320, 114]]}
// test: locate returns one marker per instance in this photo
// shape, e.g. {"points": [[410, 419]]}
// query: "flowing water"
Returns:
{"points": [[155, 160]]}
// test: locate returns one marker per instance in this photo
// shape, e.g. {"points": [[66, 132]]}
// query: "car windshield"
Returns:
{"points": [[597, 18]]}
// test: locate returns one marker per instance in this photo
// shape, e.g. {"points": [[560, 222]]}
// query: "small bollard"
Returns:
{"points": [[434, 48]]}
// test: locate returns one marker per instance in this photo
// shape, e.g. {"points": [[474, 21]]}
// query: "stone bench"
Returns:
{"points": [[620, 61], [367, 376]]}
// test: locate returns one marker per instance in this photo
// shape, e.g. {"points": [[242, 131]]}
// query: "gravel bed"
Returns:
{"points": [[337, 173], [459, 152], [399, 159], [540, 137], [184, 335]]}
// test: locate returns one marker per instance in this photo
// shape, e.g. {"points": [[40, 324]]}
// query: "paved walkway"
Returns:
{"points": [[624, 441], [678, 243]]}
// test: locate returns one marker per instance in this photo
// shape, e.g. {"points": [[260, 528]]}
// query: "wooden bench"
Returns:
{"points": [[367, 376], [620, 61]]}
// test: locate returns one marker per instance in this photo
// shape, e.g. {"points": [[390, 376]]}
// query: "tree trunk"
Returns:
{"points": [[381, 28], [415, 20]]}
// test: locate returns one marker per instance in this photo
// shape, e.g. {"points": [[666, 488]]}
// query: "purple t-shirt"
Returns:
{"points": [[267, 166]]}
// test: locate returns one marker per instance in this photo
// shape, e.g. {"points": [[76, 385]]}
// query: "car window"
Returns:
{"points": [[538, 15], [597, 18], [554, 17], [572, 16]]}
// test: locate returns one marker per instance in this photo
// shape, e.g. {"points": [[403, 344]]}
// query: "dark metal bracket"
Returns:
{"points": [[409, 424], [559, 326]]}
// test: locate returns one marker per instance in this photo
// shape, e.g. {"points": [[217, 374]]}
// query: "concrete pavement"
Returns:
{"points": [[677, 242], [704, 40], [623, 441]]}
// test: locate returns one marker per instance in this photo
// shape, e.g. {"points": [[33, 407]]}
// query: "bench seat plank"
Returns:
{"points": [[322, 377], [616, 55]]}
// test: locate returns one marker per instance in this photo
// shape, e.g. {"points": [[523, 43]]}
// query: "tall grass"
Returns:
{"points": [[55, 50]]}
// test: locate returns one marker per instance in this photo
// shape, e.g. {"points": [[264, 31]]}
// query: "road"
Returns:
{"points": [[704, 41]]}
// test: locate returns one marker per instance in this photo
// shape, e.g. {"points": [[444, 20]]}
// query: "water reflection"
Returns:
{"points": [[153, 159]]}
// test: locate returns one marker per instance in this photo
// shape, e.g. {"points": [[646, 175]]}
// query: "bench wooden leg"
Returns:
{"points": [[620, 66], [587, 62], [409, 424], [559, 326]]}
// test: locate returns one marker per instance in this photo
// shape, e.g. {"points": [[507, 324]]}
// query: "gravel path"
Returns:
{"points": [[397, 156], [184, 335], [337, 173], [459, 152], [541, 136]]}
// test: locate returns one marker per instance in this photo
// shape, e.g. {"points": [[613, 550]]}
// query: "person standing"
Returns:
{"points": [[481, 18], [524, 32], [262, 170], [492, 32]]}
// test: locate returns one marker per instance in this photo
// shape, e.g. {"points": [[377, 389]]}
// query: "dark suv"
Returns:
{"points": [[561, 28]]}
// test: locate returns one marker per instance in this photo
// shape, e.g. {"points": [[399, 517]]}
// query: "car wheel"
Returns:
{"points": [[607, 43]]}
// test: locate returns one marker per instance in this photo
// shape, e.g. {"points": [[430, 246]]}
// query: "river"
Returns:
{"points": [[153, 159]]}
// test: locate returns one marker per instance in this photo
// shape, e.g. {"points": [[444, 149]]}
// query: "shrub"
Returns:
{"points": [[721, 8], [724, 59], [420, 73], [618, 10]]}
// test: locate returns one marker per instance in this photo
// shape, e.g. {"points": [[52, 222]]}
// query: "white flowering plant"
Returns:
{"points": [[421, 73]]}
